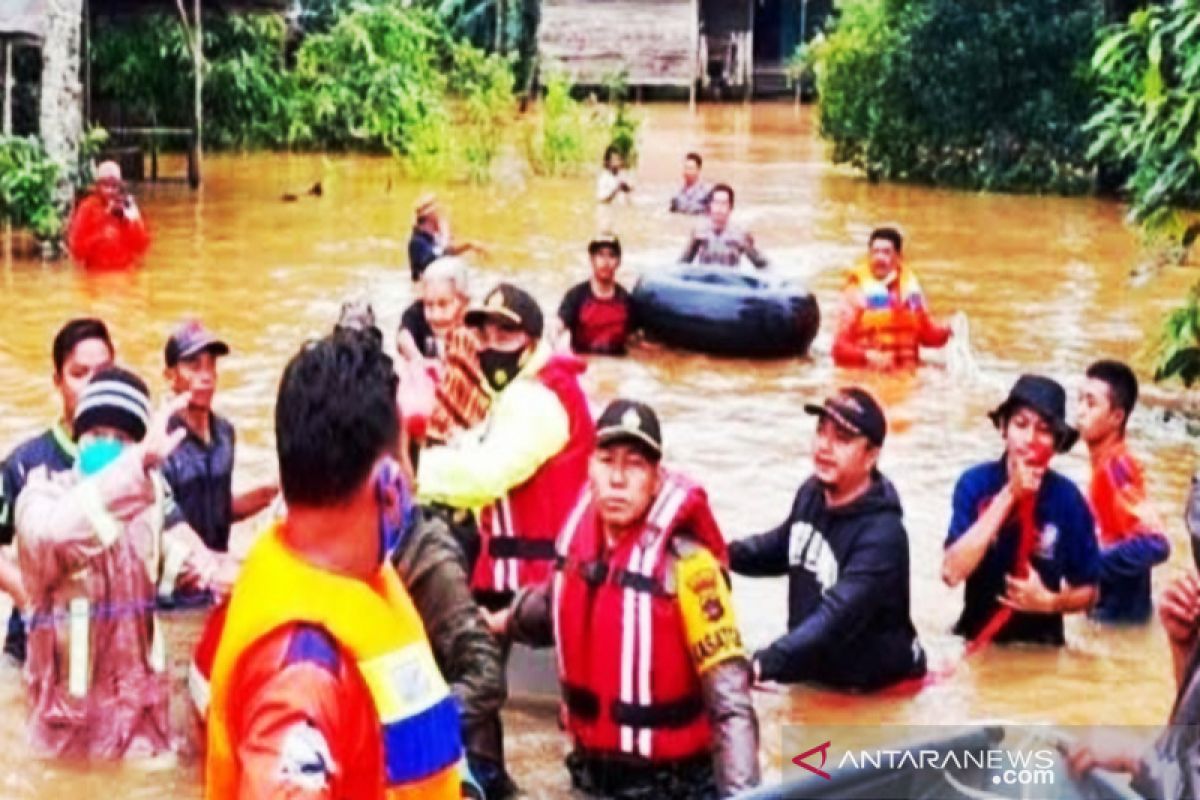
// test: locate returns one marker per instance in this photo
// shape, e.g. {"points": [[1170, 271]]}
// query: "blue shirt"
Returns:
{"points": [[53, 449], [423, 250], [200, 476], [1066, 550]]}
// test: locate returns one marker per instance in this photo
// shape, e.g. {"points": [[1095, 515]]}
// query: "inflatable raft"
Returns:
{"points": [[722, 311]]}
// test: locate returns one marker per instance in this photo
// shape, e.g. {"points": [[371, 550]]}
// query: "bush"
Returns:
{"points": [[27, 187], [562, 139], [979, 94]]}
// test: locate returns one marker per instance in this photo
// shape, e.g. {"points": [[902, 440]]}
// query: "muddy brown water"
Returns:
{"points": [[1045, 282]]}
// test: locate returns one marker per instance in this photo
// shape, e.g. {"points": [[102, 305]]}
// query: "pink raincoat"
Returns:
{"points": [[93, 557]]}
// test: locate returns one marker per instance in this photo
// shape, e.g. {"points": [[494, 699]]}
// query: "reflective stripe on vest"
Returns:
{"points": [[80, 610], [638, 577], [377, 623]]}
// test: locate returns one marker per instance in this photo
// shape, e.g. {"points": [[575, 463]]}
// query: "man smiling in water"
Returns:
{"points": [[845, 552]]}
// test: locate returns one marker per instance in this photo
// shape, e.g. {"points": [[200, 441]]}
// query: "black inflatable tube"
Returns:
{"points": [[722, 311]]}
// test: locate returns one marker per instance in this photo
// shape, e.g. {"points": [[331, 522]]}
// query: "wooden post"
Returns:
{"points": [[8, 87], [748, 58], [198, 61], [696, 67], [87, 63]]}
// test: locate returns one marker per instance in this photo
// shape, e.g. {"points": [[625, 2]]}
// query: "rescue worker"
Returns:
{"points": [[81, 348], [694, 196], [883, 320], [106, 230], [1131, 533], [844, 549], [655, 681], [93, 560], [718, 243], [332, 691], [527, 462]]}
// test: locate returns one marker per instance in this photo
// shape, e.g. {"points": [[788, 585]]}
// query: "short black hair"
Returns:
{"points": [[694, 157], [336, 414], [722, 187], [890, 234], [74, 332], [611, 150], [1122, 384]]}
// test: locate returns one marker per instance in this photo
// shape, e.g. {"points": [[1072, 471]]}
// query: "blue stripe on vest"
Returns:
{"points": [[424, 744]]}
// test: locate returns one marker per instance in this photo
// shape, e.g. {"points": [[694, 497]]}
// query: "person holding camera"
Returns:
{"points": [[107, 231]]}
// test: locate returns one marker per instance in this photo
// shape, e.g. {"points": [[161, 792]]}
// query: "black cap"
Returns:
{"points": [[856, 410], [507, 304], [604, 240], [192, 338], [629, 420], [1047, 397], [114, 398]]}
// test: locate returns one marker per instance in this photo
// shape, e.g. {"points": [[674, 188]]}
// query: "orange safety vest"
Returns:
{"points": [[377, 623], [889, 321]]}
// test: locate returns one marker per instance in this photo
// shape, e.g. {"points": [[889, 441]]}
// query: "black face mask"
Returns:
{"points": [[499, 366]]}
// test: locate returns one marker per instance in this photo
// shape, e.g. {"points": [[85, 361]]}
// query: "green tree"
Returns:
{"points": [[979, 94]]}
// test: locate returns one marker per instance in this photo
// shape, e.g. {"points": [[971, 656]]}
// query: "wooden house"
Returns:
{"points": [[742, 45]]}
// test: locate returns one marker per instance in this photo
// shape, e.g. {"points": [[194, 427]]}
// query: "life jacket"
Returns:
{"points": [[629, 684], [378, 626], [891, 323], [519, 529]]}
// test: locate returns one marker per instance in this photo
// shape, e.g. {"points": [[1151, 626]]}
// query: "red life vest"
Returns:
{"points": [[518, 530], [628, 681]]}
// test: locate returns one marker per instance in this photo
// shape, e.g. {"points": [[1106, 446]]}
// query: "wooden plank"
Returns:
{"points": [[651, 42]]}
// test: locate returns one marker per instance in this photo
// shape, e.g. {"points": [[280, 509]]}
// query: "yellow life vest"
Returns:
{"points": [[377, 623], [886, 324]]}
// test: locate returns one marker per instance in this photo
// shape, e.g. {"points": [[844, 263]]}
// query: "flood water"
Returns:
{"points": [[1045, 282]]}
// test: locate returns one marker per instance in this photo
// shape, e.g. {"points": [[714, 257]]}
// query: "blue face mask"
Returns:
{"points": [[396, 508], [98, 454]]}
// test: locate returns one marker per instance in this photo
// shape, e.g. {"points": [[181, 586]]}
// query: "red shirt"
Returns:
{"points": [[1118, 496]]}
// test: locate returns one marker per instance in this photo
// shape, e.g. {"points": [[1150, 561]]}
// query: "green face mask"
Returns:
{"points": [[98, 454]]}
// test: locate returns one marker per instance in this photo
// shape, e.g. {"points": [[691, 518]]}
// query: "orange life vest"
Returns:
{"points": [[890, 321], [377, 623]]}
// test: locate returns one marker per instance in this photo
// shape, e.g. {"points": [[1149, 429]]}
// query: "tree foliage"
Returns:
{"points": [[980, 94], [1148, 81]]}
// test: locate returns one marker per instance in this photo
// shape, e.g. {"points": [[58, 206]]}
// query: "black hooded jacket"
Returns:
{"points": [[848, 590]]}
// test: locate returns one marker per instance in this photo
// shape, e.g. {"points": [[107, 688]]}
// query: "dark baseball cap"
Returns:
{"points": [[604, 240], [855, 410], [192, 338], [630, 421], [508, 305]]}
